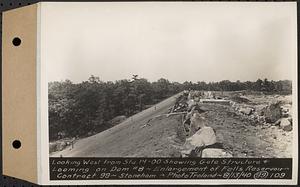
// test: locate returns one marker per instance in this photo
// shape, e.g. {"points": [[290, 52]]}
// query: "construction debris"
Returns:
{"points": [[216, 101]]}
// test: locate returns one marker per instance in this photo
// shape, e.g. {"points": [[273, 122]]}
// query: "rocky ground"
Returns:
{"points": [[244, 138], [252, 125]]}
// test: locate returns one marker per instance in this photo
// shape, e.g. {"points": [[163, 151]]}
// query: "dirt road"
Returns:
{"points": [[123, 139]]}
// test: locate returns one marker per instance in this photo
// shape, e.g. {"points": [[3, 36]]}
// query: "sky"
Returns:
{"points": [[194, 41]]}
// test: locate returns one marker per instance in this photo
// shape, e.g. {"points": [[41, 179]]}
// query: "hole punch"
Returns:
{"points": [[16, 144], [16, 41]]}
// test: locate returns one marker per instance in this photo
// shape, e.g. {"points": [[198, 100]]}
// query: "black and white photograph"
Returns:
{"points": [[171, 80]]}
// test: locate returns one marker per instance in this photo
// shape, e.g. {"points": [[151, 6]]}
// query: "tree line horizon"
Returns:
{"points": [[179, 82], [81, 109]]}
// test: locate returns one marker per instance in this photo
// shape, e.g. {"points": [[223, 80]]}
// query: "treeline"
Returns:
{"points": [[88, 107], [266, 86]]}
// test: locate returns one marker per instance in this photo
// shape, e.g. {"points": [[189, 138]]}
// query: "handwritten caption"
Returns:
{"points": [[169, 168]]}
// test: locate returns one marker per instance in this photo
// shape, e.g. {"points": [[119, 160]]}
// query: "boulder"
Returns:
{"points": [[272, 112], [286, 124], [277, 123], [260, 113], [259, 109], [261, 119], [196, 123], [247, 111], [203, 137], [196, 99]]}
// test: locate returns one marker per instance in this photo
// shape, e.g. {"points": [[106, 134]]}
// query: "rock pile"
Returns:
{"points": [[180, 104], [273, 114]]}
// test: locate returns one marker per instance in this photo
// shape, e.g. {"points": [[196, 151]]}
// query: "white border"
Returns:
{"points": [[38, 90], [43, 136]]}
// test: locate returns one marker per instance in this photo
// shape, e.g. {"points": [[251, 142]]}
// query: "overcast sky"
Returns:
{"points": [[178, 41]]}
